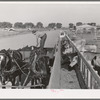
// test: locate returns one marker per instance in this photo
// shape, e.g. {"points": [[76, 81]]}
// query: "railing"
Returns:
{"points": [[55, 78], [91, 79]]}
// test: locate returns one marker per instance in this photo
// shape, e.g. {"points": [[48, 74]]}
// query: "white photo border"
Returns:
{"points": [[50, 93]]}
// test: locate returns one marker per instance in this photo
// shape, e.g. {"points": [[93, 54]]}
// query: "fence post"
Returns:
{"points": [[81, 65]]}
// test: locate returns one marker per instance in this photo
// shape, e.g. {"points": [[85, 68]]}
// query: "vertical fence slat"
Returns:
{"points": [[87, 78], [90, 81], [80, 65]]}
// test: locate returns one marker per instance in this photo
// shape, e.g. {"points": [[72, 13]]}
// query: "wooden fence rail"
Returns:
{"points": [[92, 80]]}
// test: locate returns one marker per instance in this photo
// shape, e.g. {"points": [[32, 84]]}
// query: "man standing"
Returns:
{"points": [[42, 36]]}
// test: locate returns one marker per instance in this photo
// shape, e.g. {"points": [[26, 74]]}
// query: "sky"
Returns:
{"points": [[64, 13]]}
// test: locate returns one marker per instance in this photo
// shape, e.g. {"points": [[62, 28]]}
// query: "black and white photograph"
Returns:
{"points": [[49, 45]]}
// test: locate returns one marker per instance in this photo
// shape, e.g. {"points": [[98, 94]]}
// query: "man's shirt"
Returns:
{"points": [[40, 34]]}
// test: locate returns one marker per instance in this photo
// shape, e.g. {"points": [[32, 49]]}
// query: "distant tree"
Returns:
{"points": [[29, 25], [51, 25], [18, 25], [5, 25], [71, 25], [78, 23], [1, 25], [74, 27], [39, 25], [88, 23], [92, 24], [58, 25]]}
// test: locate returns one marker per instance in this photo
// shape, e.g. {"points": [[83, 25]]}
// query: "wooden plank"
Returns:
{"points": [[54, 82]]}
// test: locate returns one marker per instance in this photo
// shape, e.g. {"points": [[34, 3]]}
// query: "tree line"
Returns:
{"points": [[71, 25], [39, 25], [29, 25]]}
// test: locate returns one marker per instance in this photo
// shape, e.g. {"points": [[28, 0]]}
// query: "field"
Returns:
{"points": [[21, 38], [7, 33]]}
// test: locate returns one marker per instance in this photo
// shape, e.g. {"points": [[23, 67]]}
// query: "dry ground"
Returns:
{"points": [[68, 79]]}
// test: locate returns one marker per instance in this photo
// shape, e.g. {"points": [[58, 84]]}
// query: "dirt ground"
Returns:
{"points": [[68, 79]]}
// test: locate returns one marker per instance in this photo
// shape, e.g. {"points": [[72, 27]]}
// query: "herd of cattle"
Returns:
{"points": [[71, 59], [68, 57]]}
